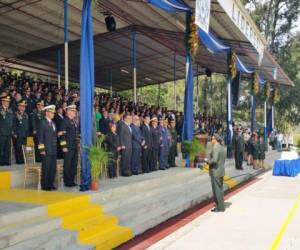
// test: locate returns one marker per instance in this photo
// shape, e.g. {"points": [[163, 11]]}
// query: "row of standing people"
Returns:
{"points": [[142, 147], [249, 147]]}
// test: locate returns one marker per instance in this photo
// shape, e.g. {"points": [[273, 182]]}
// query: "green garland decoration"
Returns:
{"points": [[193, 41], [232, 65], [255, 84], [267, 90]]}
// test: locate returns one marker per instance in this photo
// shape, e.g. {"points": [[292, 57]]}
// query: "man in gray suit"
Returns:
{"points": [[216, 161], [125, 135]]}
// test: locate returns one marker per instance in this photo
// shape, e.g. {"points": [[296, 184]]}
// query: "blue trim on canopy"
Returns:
{"points": [[212, 44], [171, 5], [241, 67]]}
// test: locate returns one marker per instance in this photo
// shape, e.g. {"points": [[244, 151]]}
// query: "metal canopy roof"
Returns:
{"points": [[31, 31]]}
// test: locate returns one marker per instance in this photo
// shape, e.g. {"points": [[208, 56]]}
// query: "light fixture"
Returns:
{"points": [[148, 79], [125, 71]]}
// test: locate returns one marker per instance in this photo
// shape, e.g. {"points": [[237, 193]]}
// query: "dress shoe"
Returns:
{"points": [[216, 210]]}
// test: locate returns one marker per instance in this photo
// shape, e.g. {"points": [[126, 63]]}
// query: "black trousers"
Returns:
{"points": [[18, 142], [154, 159], [238, 159], [70, 166], [38, 157], [126, 161], [172, 155], [48, 171], [5, 150], [112, 166], [136, 160], [146, 156]]}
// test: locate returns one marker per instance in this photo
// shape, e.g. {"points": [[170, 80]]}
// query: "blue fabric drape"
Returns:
{"points": [[170, 5], [188, 122], [241, 67], [212, 44], [286, 168], [86, 91]]}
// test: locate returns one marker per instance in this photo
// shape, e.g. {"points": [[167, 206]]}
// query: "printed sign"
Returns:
{"points": [[202, 14]]}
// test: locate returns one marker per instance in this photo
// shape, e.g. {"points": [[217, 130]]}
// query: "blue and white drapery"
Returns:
{"points": [[212, 44], [86, 91], [170, 5]]}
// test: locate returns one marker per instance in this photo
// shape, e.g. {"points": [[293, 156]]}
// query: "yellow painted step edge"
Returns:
{"points": [[5, 179]]}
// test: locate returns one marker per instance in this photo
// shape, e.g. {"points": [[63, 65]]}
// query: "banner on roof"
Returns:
{"points": [[202, 14]]}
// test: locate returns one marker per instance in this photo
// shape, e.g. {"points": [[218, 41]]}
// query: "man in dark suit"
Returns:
{"points": [[58, 119], [137, 143], [104, 123], [155, 134], [125, 135], [238, 147], [47, 147], [146, 151], [6, 130], [69, 143], [20, 130], [36, 118], [164, 145]]}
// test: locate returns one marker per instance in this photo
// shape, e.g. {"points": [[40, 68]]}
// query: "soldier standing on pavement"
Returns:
{"points": [[69, 143], [20, 131], [47, 146], [216, 162], [6, 128]]}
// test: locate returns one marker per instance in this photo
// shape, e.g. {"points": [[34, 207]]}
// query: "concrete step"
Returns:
{"points": [[135, 197], [27, 229], [55, 240], [15, 217], [145, 205], [170, 207], [125, 185], [110, 238]]}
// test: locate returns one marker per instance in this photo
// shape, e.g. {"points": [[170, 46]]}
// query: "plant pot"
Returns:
{"points": [[94, 186]]}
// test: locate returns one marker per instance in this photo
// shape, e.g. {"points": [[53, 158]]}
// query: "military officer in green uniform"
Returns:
{"points": [[36, 118], [6, 128], [20, 131], [216, 162], [173, 144]]}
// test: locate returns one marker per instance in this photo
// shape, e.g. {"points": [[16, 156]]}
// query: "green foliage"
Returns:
{"points": [[193, 148], [98, 158]]}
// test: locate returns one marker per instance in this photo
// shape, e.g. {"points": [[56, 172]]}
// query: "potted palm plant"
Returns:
{"points": [[98, 158], [193, 148]]}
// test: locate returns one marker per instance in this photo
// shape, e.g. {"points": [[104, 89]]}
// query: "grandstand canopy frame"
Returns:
{"points": [[31, 34]]}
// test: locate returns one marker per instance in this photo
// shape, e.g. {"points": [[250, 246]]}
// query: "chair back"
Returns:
{"points": [[29, 141], [28, 154]]}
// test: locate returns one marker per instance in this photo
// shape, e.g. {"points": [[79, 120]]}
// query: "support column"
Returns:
{"points": [[66, 45], [198, 104], [205, 95], [111, 83], [134, 65], [253, 113], [211, 95], [174, 77], [273, 117], [265, 121], [229, 109], [58, 68], [158, 96]]}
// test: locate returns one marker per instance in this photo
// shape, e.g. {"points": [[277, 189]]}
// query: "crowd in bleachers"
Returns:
{"points": [[145, 136]]}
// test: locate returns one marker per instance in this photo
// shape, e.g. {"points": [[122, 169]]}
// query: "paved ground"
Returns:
{"points": [[254, 220]]}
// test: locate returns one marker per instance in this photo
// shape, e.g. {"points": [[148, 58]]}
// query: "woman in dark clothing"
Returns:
{"points": [[262, 152], [255, 152], [156, 144], [113, 147]]}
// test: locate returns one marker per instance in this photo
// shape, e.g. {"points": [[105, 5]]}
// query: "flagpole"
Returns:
{"points": [[66, 44], [174, 77], [134, 64]]}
